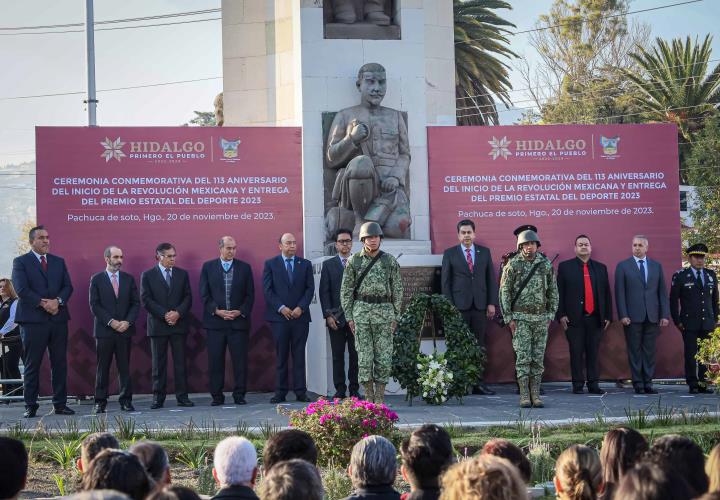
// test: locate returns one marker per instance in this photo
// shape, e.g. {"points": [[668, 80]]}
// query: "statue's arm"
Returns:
{"points": [[403, 161], [341, 148]]}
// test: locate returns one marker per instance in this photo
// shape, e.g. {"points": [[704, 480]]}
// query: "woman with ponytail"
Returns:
{"points": [[578, 475]]}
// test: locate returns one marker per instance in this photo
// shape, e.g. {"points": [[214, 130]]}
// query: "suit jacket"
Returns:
{"points": [[212, 293], [699, 308], [636, 300], [32, 284], [278, 291], [237, 492], [105, 306], [466, 290], [330, 281], [158, 299], [571, 286]]}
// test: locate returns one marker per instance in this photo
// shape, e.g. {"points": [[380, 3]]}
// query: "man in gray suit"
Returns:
{"points": [[642, 306]]}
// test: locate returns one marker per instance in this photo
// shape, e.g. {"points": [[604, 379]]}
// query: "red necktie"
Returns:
{"points": [[115, 284], [469, 260], [589, 300], [43, 263]]}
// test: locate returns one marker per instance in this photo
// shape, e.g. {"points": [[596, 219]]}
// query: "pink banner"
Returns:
{"points": [[137, 187], [607, 181]]}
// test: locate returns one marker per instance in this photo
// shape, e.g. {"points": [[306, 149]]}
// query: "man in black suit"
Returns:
{"points": [[43, 286], [228, 293], [585, 311], [115, 303], [468, 281], [165, 293], [696, 288], [288, 286], [643, 306], [340, 334]]}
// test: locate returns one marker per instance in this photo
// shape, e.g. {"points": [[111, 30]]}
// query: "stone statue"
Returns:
{"points": [[373, 12], [368, 145], [219, 113]]}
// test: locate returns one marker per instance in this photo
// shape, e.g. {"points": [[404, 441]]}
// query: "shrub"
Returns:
{"points": [[709, 355]]}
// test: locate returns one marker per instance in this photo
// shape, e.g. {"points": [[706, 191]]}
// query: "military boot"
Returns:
{"points": [[535, 392], [344, 11], [369, 391], [375, 12], [524, 392], [379, 393]]}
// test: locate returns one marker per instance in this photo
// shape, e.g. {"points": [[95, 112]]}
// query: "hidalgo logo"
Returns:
{"points": [[230, 149], [113, 149], [609, 146], [500, 147]]}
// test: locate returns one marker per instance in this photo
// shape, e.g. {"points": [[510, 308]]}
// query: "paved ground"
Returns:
{"points": [[561, 406]]}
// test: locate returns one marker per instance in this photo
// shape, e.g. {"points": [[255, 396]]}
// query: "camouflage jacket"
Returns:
{"points": [[382, 282], [539, 299]]}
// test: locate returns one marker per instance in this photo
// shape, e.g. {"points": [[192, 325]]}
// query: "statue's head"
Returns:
{"points": [[372, 84]]}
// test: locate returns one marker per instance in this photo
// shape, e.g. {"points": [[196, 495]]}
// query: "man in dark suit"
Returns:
{"points": [[642, 305], [228, 293], [468, 281], [340, 334], [165, 293], [115, 303], [43, 286], [288, 286], [696, 288], [585, 311]]}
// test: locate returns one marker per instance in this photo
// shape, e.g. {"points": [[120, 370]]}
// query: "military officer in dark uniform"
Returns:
{"points": [[696, 289]]}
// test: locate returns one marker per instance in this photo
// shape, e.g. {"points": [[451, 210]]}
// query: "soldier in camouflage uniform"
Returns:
{"points": [[528, 318], [372, 310]]}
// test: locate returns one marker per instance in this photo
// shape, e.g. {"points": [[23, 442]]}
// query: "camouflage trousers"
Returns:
{"points": [[374, 345], [529, 343]]}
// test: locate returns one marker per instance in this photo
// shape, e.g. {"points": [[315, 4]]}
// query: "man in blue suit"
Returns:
{"points": [[288, 286], [43, 286], [642, 305]]}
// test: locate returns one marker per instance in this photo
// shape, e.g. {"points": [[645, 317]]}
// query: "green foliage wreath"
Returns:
{"points": [[465, 358]]}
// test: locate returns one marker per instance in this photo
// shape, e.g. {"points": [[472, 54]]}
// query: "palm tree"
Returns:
{"points": [[479, 75]]}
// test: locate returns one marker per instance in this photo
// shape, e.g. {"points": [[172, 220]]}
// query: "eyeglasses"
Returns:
{"points": [[344, 242]]}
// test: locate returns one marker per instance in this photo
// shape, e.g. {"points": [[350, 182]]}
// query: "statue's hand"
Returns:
{"points": [[359, 132], [390, 184]]}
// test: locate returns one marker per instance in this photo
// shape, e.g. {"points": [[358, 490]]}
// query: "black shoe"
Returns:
{"points": [[157, 404], [694, 390], [127, 406], [482, 390], [185, 402], [277, 399], [579, 390], [30, 411], [339, 395], [639, 390], [303, 398], [63, 410], [239, 400], [596, 390], [216, 402], [705, 390], [650, 390], [99, 408]]}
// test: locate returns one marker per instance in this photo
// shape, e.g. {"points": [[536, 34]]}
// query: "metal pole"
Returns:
{"points": [[90, 46]]}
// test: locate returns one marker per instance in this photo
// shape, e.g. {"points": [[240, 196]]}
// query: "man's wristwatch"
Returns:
{"points": [[60, 301]]}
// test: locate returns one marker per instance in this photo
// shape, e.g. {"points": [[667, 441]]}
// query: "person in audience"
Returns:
{"points": [[169, 492], [684, 456], [98, 495], [13, 467], [425, 456], [621, 449], [288, 444], [578, 475], [372, 469], [647, 481], [712, 469], [512, 453], [94, 444], [235, 469], [117, 470], [291, 480], [484, 477], [154, 459]]}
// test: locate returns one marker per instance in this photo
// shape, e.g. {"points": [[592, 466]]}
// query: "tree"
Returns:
{"points": [[480, 76], [202, 119]]}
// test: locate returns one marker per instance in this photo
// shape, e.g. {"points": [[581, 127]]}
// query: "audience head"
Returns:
{"points": [[577, 473], [98, 495], [94, 444], [511, 452], [289, 444], [117, 470], [712, 469], [13, 467], [425, 455], [174, 493], [235, 462], [682, 455], [292, 479], [373, 462], [485, 477], [647, 481], [621, 449], [154, 459]]}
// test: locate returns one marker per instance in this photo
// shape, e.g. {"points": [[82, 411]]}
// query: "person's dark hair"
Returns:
{"points": [[93, 444], [31, 233], [98, 495], [117, 470], [174, 493], [288, 444], [163, 247], [153, 457], [342, 230], [682, 455], [621, 449], [13, 467], [292, 479], [512, 453], [647, 481], [465, 222], [426, 453], [581, 236]]}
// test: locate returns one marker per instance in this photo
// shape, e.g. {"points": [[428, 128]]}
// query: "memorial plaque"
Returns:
{"points": [[422, 279]]}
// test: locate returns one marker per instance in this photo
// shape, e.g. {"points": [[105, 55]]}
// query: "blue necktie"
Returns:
{"points": [[168, 277], [226, 266], [288, 267], [642, 271]]}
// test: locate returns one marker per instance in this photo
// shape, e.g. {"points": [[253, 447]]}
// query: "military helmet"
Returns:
{"points": [[527, 236], [370, 229]]}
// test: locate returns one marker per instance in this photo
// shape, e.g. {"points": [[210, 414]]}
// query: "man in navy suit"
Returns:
{"points": [[43, 286], [228, 294], [642, 305], [115, 303], [165, 293], [288, 286]]}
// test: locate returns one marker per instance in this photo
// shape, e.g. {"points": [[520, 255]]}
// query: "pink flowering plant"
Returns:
{"points": [[336, 425]]}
